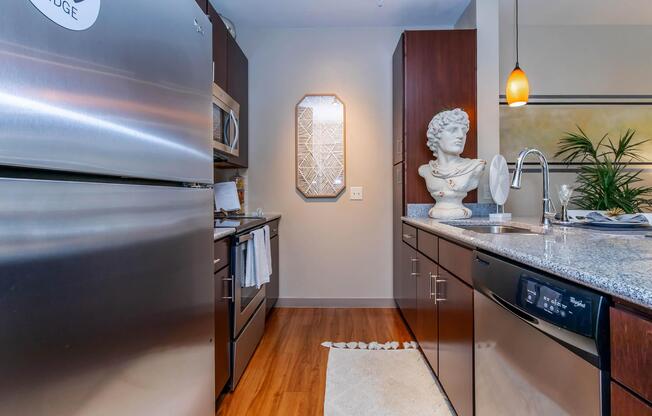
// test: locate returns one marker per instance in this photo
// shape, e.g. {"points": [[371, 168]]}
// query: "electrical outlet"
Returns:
{"points": [[356, 193]]}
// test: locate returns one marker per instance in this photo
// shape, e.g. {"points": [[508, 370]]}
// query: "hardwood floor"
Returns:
{"points": [[287, 374]]}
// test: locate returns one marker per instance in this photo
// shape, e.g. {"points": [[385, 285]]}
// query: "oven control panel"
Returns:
{"points": [[569, 309]]}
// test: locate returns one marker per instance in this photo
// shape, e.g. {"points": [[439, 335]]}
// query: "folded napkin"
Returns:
{"points": [[635, 218]]}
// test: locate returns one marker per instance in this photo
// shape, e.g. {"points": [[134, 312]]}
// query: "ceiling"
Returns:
{"points": [[579, 12], [341, 13]]}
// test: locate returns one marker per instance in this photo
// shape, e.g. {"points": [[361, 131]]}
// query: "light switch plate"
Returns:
{"points": [[356, 193]]}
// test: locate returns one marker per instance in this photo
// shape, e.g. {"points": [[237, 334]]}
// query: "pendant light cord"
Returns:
{"points": [[516, 33]]}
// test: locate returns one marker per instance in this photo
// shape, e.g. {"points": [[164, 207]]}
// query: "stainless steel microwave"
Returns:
{"points": [[226, 122]]}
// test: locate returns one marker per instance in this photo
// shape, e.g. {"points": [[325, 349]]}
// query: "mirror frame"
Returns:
{"points": [[296, 146]]}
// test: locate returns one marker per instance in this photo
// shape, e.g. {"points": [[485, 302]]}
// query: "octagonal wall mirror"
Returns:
{"points": [[320, 146]]}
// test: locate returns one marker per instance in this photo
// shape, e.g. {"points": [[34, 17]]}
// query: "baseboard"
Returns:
{"points": [[335, 303]]}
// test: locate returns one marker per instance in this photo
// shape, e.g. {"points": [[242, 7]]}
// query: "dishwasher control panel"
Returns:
{"points": [[569, 309]]}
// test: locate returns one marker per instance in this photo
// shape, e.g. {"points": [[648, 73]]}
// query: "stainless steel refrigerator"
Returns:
{"points": [[106, 291]]}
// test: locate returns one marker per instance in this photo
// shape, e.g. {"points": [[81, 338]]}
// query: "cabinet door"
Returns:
{"points": [[624, 403], [237, 86], [426, 330], [403, 269], [272, 288], [456, 341], [409, 286], [398, 101], [220, 36], [631, 351], [222, 338], [397, 231]]}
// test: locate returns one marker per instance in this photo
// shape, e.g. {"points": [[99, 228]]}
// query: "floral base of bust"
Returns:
{"points": [[449, 213]]}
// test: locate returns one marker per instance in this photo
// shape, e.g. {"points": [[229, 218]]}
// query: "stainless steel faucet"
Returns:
{"points": [[548, 210]]}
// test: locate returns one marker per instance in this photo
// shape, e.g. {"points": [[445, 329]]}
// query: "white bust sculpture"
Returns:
{"points": [[450, 177]]}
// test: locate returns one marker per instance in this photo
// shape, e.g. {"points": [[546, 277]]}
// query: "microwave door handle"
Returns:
{"points": [[237, 130], [226, 139]]}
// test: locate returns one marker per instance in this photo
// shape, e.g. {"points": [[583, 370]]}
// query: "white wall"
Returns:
{"points": [[580, 60], [330, 249], [572, 59], [484, 16], [605, 58], [468, 18]]}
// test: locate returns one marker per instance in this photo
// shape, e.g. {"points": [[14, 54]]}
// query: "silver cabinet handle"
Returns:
{"points": [[408, 236], [437, 298], [414, 260], [414, 274], [227, 279], [216, 261], [433, 295]]}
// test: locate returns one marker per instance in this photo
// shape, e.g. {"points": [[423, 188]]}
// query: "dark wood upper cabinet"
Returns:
{"points": [[433, 70], [456, 341], [231, 73], [220, 36], [237, 86], [398, 103]]}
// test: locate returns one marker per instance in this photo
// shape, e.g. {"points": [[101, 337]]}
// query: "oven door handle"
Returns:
{"points": [[244, 238]]}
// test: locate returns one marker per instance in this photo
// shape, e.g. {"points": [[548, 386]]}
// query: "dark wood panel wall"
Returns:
{"points": [[439, 74]]}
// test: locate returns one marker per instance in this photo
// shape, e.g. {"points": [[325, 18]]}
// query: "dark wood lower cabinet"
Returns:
{"points": [[397, 241], [631, 351], [456, 341], [408, 285], [426, 329], [221, 341], [623, 403], [272, 289]]}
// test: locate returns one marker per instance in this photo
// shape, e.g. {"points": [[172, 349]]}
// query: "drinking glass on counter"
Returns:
{"points": [[565, 193]]}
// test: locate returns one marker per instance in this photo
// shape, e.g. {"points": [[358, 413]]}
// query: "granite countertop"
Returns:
{"points": [[271, 216], [616, 264], [219, 233]]}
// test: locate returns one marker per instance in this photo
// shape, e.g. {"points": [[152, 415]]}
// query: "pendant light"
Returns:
{"points": [[518, 87]]}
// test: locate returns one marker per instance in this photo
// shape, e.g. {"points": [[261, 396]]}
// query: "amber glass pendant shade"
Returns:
{"points": [[518, 88]]}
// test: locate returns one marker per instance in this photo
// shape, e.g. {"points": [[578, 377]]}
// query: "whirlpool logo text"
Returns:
{"points": [[71, 14]]}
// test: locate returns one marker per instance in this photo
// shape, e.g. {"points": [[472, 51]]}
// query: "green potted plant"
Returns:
{"points": [[604, 182]]}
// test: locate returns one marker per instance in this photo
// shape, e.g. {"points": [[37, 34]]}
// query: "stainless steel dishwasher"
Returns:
{"points": [[541, 344]]}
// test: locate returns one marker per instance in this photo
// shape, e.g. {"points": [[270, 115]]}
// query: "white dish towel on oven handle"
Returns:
{"points": [[259, 265]]}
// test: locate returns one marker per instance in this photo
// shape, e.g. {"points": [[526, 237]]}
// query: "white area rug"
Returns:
{"points": [[394, 382]]}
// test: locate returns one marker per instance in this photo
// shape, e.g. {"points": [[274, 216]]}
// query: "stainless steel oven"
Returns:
{"points": [[226, 122], [247, 310], [245, 299]]}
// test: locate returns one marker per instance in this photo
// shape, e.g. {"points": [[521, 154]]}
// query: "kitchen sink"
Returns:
{"points": [[494, 229]]}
